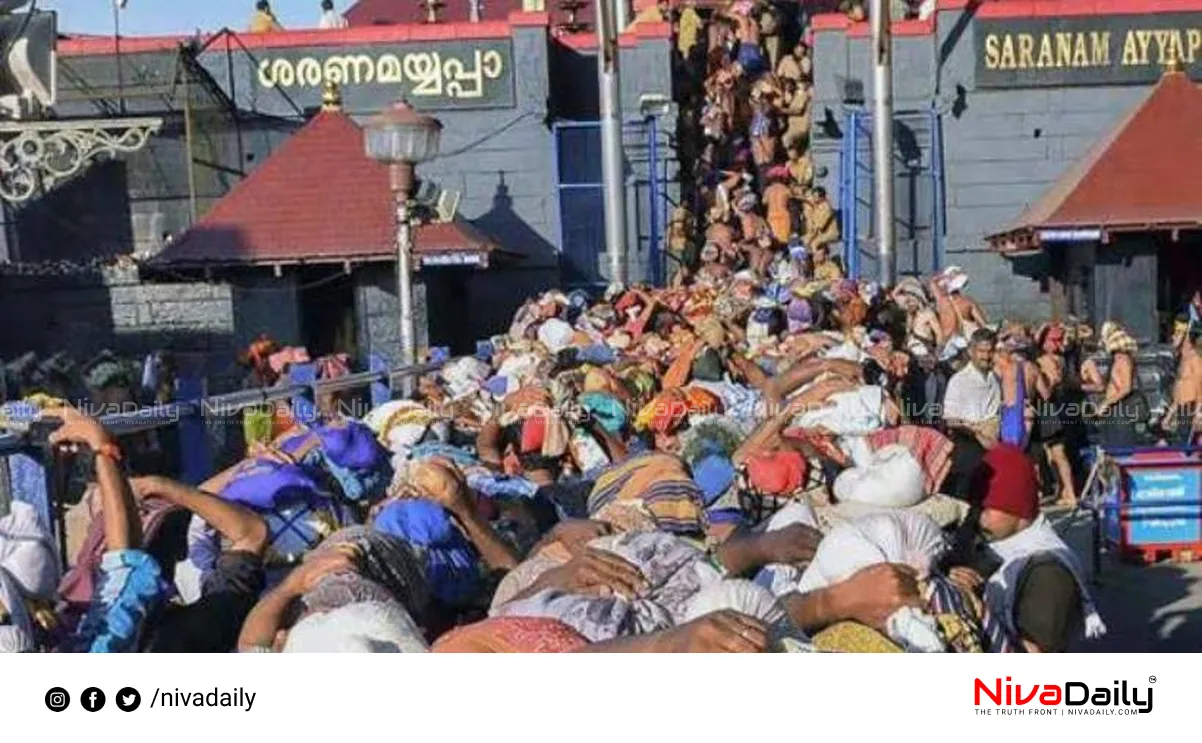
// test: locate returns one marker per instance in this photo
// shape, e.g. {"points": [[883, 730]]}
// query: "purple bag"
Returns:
{"points": [[352, 445], [264, 484]]}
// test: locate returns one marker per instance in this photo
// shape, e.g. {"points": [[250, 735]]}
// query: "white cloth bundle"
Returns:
{"points": [[891, 478], [364, 627], [900, 537], [846, 351], [555, 334], [742, 596], [28, 569], [855, 413], [464, 376], [779, 578], [895, 537], [520, 368]]}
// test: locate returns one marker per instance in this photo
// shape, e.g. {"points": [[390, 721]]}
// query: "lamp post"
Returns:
{"points": [[118, 6], [402, 138], [882, 137]]}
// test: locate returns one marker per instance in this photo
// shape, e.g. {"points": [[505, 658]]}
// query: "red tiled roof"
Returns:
{"points": [[368, 12], [1142, 174], [317, 198]]}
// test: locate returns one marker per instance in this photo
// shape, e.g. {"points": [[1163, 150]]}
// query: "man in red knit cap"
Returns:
{"points": [[1032, 582]]}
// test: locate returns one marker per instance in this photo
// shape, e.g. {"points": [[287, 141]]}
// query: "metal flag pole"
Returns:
{"points": [[612, 164], [118, 6], [621, 14], [882, 138]]}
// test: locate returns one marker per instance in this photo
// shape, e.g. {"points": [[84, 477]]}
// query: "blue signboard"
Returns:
{"points": [[1165, 506]]}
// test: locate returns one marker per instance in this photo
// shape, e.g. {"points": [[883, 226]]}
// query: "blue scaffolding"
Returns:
{"points": [[920, 198]]}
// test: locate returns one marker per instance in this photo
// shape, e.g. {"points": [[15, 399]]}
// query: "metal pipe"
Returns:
{"points": [[188, 137], [612, 163], [402, 184], [117, 47], [12, 442], [621, 14], [657, 254], [882, 140]]}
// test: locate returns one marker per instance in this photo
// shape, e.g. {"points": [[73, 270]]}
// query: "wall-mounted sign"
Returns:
{"points": [[432, 76], [1069, 236], [1085, 50], [452, 259]]}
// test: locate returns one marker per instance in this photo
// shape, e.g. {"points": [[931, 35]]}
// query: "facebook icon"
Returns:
{"points": [[92, 699]]}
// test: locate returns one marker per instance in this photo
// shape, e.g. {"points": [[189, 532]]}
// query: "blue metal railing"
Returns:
{"points": [[189, 415], [857, 192], [158, 416]]}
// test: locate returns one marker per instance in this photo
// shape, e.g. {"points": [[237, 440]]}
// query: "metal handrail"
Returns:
{"points": [[157, 416]]}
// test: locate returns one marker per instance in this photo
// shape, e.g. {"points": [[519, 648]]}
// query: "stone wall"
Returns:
{"points": [[454, 307], [377, 312], [118, 310]]}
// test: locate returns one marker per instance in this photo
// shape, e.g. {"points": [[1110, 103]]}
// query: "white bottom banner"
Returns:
{"points": [[595, 697]]}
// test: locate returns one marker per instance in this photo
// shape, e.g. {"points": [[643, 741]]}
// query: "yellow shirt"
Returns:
{"points": [[690, 29], [828, 271], [263, 22]]}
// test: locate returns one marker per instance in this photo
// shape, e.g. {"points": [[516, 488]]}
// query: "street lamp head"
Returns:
{"points": [[400, 134]]}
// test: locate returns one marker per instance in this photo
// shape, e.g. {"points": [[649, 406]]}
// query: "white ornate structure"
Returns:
{"points": [[36, 156]]}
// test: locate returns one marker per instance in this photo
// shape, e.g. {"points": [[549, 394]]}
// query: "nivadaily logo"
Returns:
{"points": [[1070, 697]]}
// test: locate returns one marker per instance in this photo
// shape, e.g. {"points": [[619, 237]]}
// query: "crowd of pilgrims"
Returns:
{"points": [[763, 455]]}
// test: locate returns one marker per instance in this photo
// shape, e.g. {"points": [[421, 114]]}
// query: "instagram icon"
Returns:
{"points": [[57, 699]]}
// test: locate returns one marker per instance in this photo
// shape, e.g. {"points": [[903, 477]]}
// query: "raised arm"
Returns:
{"points": [[245, 530], [122, 527]]}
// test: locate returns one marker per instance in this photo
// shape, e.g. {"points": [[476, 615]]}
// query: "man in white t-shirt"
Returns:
{"points": [[974, 394], [330, 18]]}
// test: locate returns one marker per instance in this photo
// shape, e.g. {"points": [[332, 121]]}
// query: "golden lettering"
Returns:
{"points": [[428, 73], [1026, 46], [308, 72], [1130, 50], [1162, 42], [265, 77], [283, 73], [1064, 49], [1007, 62], [358, 69], [456, 76], [1100, 42], [336, 71], [1046, 59], [1145, 41], [1195, 43], [388, 70], [425, 70], [1080, 52], [494, 64], [991, 52], [1176, 47]]}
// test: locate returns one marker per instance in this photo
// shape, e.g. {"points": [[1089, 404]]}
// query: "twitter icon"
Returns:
{"points": [[128, 699]]}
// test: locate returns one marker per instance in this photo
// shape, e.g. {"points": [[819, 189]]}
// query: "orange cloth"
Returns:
{"points": [[678, 373], [527, 399], [703, 402], [781, 225], [668, 410], [777, 473]]}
